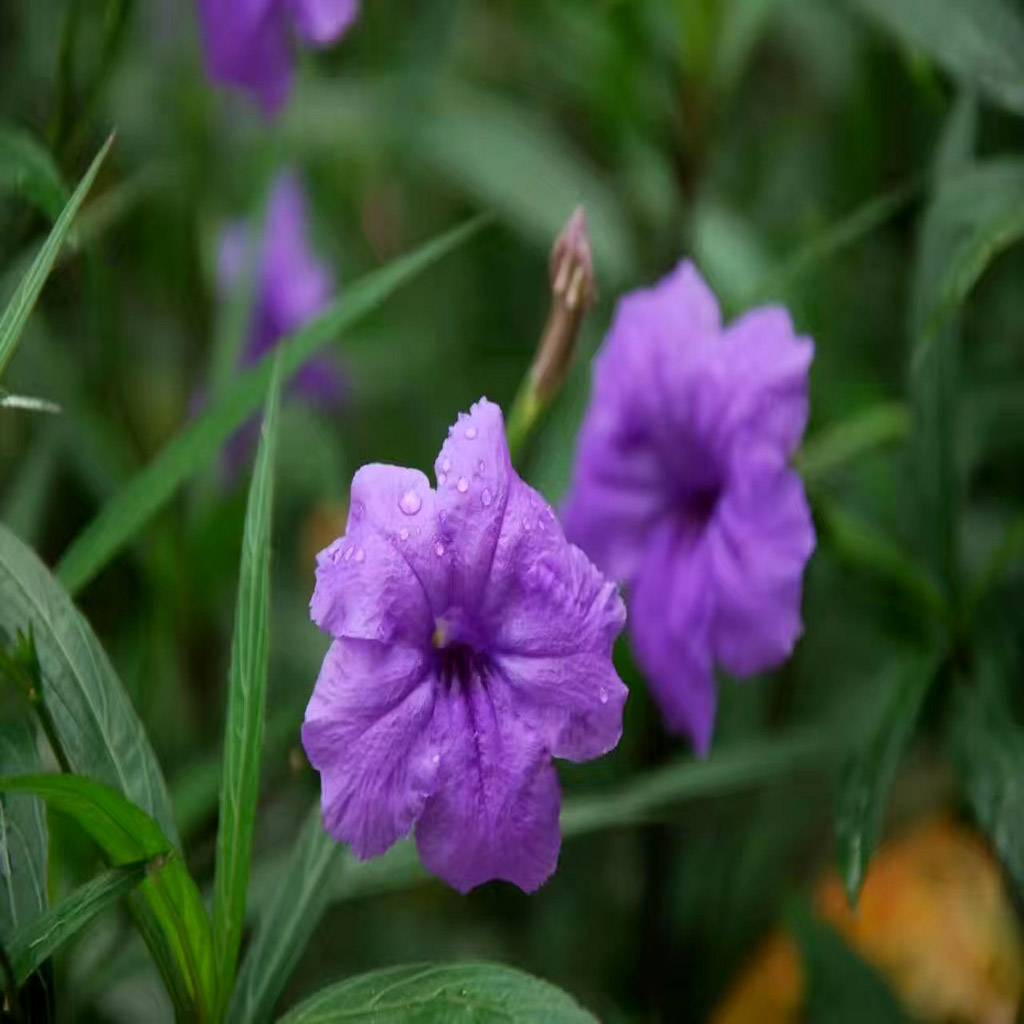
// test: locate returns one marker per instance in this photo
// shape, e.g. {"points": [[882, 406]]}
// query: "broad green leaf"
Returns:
{"points": [[978, 41], [203, 437], [870, 769], [99, 731], [167, 906], [23, 836], [841, 443], [439, 994], [247, 692], [24, 299], [300, 899], [507, 158], [32, 945], [934, 365], [841, 987], [988, 754], [27, 169]]}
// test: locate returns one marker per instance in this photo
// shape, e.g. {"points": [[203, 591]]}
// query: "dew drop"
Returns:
{"points": [[441, 478], [463, 485], [446, 465], [526, 524], [403, 533], [485, 498], [481, 466], [439, 549], [348, 553], [470, 433], [436, 759], [410, 503], [360, 554], [602, 695], [542, 522], [356, 511]]}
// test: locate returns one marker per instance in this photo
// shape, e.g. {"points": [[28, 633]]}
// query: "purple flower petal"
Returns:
{"points": [[246, 45], [758, 546], [372, 745], [494, 814], [322, 22]]}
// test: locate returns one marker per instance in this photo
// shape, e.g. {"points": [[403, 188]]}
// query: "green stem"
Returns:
{"points": [[522, 418]]}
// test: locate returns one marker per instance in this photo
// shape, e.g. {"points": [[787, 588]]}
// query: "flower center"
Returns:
{"points": [[458, 650]]}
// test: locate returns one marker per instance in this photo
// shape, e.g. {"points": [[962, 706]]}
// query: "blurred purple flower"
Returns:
{"points": [[472, 643], [247, 41], [682, 488], [292, 287]]}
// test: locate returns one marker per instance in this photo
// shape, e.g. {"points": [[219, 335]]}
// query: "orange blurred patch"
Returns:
{"points": [[323, 524], [934, 917]]}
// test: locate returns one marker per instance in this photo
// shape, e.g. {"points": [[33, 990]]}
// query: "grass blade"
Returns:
{"points": [[199, 441], [167, 907], [24, 299], [246, 706], [32, 945]]}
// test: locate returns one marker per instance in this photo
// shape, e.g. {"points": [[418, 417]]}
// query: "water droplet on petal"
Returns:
{"points": [[410, 503], [463, 485], [436, 759], [439, 549], [470, 432], [526, 524], [403, 533], [348, 553], [481, 467], [602, 695], [441, 478], [485, 498], [360, 555], [446, 465], [356, 511], [542, 522]]}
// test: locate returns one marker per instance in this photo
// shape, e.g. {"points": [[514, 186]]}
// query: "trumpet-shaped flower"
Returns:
{"points": [[472, 643], [682, 488]]}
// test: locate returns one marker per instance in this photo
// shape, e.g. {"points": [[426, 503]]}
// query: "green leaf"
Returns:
{"points": [[841, 443], [246, 705], [300, 899], [507, 158], [439, 994], [98, 729], [870, 769], [978, 41], [167, 906], [32, 945], [24, 299], [841, 987], [934, 364], [27, 169], [23, 836], [203, 437], [988, 754]]}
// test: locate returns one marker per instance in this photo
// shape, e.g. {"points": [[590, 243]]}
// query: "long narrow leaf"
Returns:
{"points": [[98, 728], [439, 993], [197, 443], [27, 169], [246, 704], [979, 41], [24, 299], [32, 945], [167, 906]]}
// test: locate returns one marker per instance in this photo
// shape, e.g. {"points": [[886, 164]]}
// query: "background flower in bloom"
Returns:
{"points": [[247, 43], [682, 488], [472, 643], [291, 287]]}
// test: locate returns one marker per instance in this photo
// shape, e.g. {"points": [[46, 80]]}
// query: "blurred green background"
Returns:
{"points": [[789, 147]]}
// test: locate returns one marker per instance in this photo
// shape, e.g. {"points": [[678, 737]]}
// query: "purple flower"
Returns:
{"points": [[682, 488], [472, 643], [292, 286], [247, 41]]}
